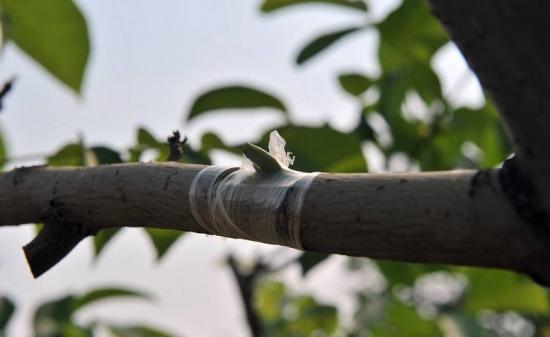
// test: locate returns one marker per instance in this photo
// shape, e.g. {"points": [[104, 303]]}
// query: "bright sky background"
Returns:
{"points": [[149, 61]]}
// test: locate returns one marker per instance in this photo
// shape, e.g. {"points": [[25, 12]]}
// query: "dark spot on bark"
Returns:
{"points": [[150, 194], [402, 181], [427, 212], [93, 177], [168, 180], [122, 195], [523, 195], [116, 172], [19, 175], [447, 214], [379, 188], [54, 189], [358, 219]]}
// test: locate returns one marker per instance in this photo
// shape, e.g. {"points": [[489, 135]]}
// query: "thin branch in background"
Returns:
{"points": [[176, 147], [5, 89], [245, 281]]}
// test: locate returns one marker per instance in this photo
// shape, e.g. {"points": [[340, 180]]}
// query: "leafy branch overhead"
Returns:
{"points": [[53, 32]]}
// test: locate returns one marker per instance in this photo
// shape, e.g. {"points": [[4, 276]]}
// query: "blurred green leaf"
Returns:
{"points": [[233, 97], [312, 316], [50, 317], [53, 32], [409, 35], [102, 237], [3, 152], [147, 141], [321, 43], [106, 155], [287, 315], [7, 308], [137, 331], [69, 155], [269, 300], [406, 321], [355, 84], [504, 291], [308, 260], [70, 330], [461, 324], [101, 294], [195, 157], [146, 138], [162, 239], [482, 127], [405, 273], [321, 149], [271, 5]]}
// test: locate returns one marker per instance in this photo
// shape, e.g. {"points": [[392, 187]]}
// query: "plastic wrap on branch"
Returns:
{"points": [[260, 201]]}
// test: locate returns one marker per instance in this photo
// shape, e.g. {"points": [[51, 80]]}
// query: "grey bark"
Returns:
{"points": [[458, 217]]}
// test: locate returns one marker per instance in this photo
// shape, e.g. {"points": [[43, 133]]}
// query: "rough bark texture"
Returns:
{"points": [[457, 217], [506, 44]]}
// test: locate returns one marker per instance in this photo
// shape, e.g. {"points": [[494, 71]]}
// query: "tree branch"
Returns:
{"points": [[506, 46], [458, 217]]}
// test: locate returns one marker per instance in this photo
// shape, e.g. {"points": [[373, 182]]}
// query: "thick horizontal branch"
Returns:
{"points": [[506, 44], [458, 217]]}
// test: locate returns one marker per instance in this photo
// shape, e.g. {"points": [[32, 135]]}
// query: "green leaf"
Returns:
{"points": [[50, 317], [271, 5], [195, 157], [211, 141], [70, 330], [101, 294], [504, 291], [54, 33], [355, 84], [69, 155], [106, 155], [262, 160], [146, 138], [3, 152], [405, 273], [308, 260], [406, 321], [233, 97], [102, 237], [163, 239], [483, 127], [321, 43], [409, 34], [147, 141], [465, 324], [321, 149], [409, 37], [7, 309], [137, 331]]}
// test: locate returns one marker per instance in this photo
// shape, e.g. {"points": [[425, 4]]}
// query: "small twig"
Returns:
{"points": [[245, 282], [52, 244], [176, 147]]}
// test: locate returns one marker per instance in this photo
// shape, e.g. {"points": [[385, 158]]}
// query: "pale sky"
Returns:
{"points": [[148, 63]]}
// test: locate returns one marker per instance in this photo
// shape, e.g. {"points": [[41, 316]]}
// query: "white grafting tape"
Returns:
{"points": [[246, 204]]}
